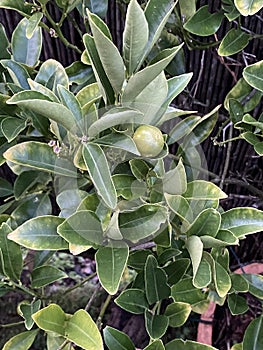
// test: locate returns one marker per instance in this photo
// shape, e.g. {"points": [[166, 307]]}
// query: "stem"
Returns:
{"points": [[24, 289], [228, 155], [103, 310], [63, 344], [80, 283], [9, 325]]}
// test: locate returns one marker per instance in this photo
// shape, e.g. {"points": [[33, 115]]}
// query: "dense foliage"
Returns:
{"points": [[81, 182]]}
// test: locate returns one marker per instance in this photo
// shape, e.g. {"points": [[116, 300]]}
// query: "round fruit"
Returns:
{"points": [[149, 140]]}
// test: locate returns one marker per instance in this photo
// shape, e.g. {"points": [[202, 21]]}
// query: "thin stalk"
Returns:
{"points": [[80, 283], [9, 325], [103, 310]]}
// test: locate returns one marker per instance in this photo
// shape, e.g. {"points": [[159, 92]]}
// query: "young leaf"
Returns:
{"points": [[116, 340], [98, 168], [203, 190], [43, 275], [39, 156], [52, 318], [132, 300], [82, 330], [253, 338], [242, 221], [109, 55], [11, 255], [135, 36], [177, 313], [203, 22], [194, 246], [174, 181], [111, 263], [221, 279], [21, 341], [39, 233], [25, 50], [155, 281], [26, 310]]}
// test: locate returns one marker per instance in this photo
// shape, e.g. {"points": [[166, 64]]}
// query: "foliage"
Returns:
{"points": [[69, 141]]}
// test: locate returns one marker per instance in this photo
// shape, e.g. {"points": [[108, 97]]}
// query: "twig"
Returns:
{"points": [[93, 296], [228, 155], [103, 310], [80, 283]]}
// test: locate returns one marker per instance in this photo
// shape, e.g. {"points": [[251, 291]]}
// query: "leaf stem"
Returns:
{"points": [[9, 325], [103, 310], [80, 283]]}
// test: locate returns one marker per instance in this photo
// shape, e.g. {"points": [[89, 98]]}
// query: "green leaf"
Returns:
{"points": [[142, 222], [69, 200], [156, 325], [253, 338], [135, 36], [242, 221], [12, 127], [248, 7], [17, 72], [194, 246], [255, 284], [203, 190], [203, 276], [180, 206], [115, 116], [98, 168], [111, 262], [253, 75], [206, 223], [221, 279], [70, 101], [234, 41], [4, 43], [176, 270], [239, 283], [6, 188], [187, 8], [157, 14], [44, 275], [177, 313], [21, 341], [39, 156], [11, 255], [180, 344], [156, 286], [223, 238], [237, 304], [26, 310], [128, 186], [54, 342], [101, 77], [156, 345], [51, 74], [140, 80], [132, 300], [110, 57], [137, 258], [82, 228], [51, 318], [204, 23], [184, 291], [119, 141], [82, 330], [139, 168], [174, 181], [39, 233], [247, 118], [88, 94], [38, 103], [16, 5], [176, 85], [116, 340], [33, 23], [25, 50]]}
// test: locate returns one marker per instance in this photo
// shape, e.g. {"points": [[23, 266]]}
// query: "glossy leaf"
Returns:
{"points": [[176, 85], [39, 233], [51, 74], [119, 141], [26, 310], [174, 181], [242, 221], [156, 325], [203, 190], [157, 14], [109, 55], [117, 340], [187, 8], [44, 275], [204, 23], [69, 201], [51, 318], [33, 23], [17, 72], [6, 188], [177, 313], [111, 262], [253, 338], [16, 5], [137, 258], [25, 50], [184, 291], [234, 41], [156, 286], [180, 344], [194, 246], [69, 100], [12, 127], [255, 284], [237, 304], [83, 228], [39, 103], [206, 223], [155, 345], [142, 222], [138, 82], [98, 168], [11, 255], [21, 341], [180, 206], [116, 116], [82, 330], [253, 75], [39, 156], [4, 43], [222, 280], [239, 283], [248, 7], [132, 300], [176, 270], [88, 94], [135, 36]]}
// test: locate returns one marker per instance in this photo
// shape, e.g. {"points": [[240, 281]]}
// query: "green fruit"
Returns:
{"points": [[149, 140]]}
